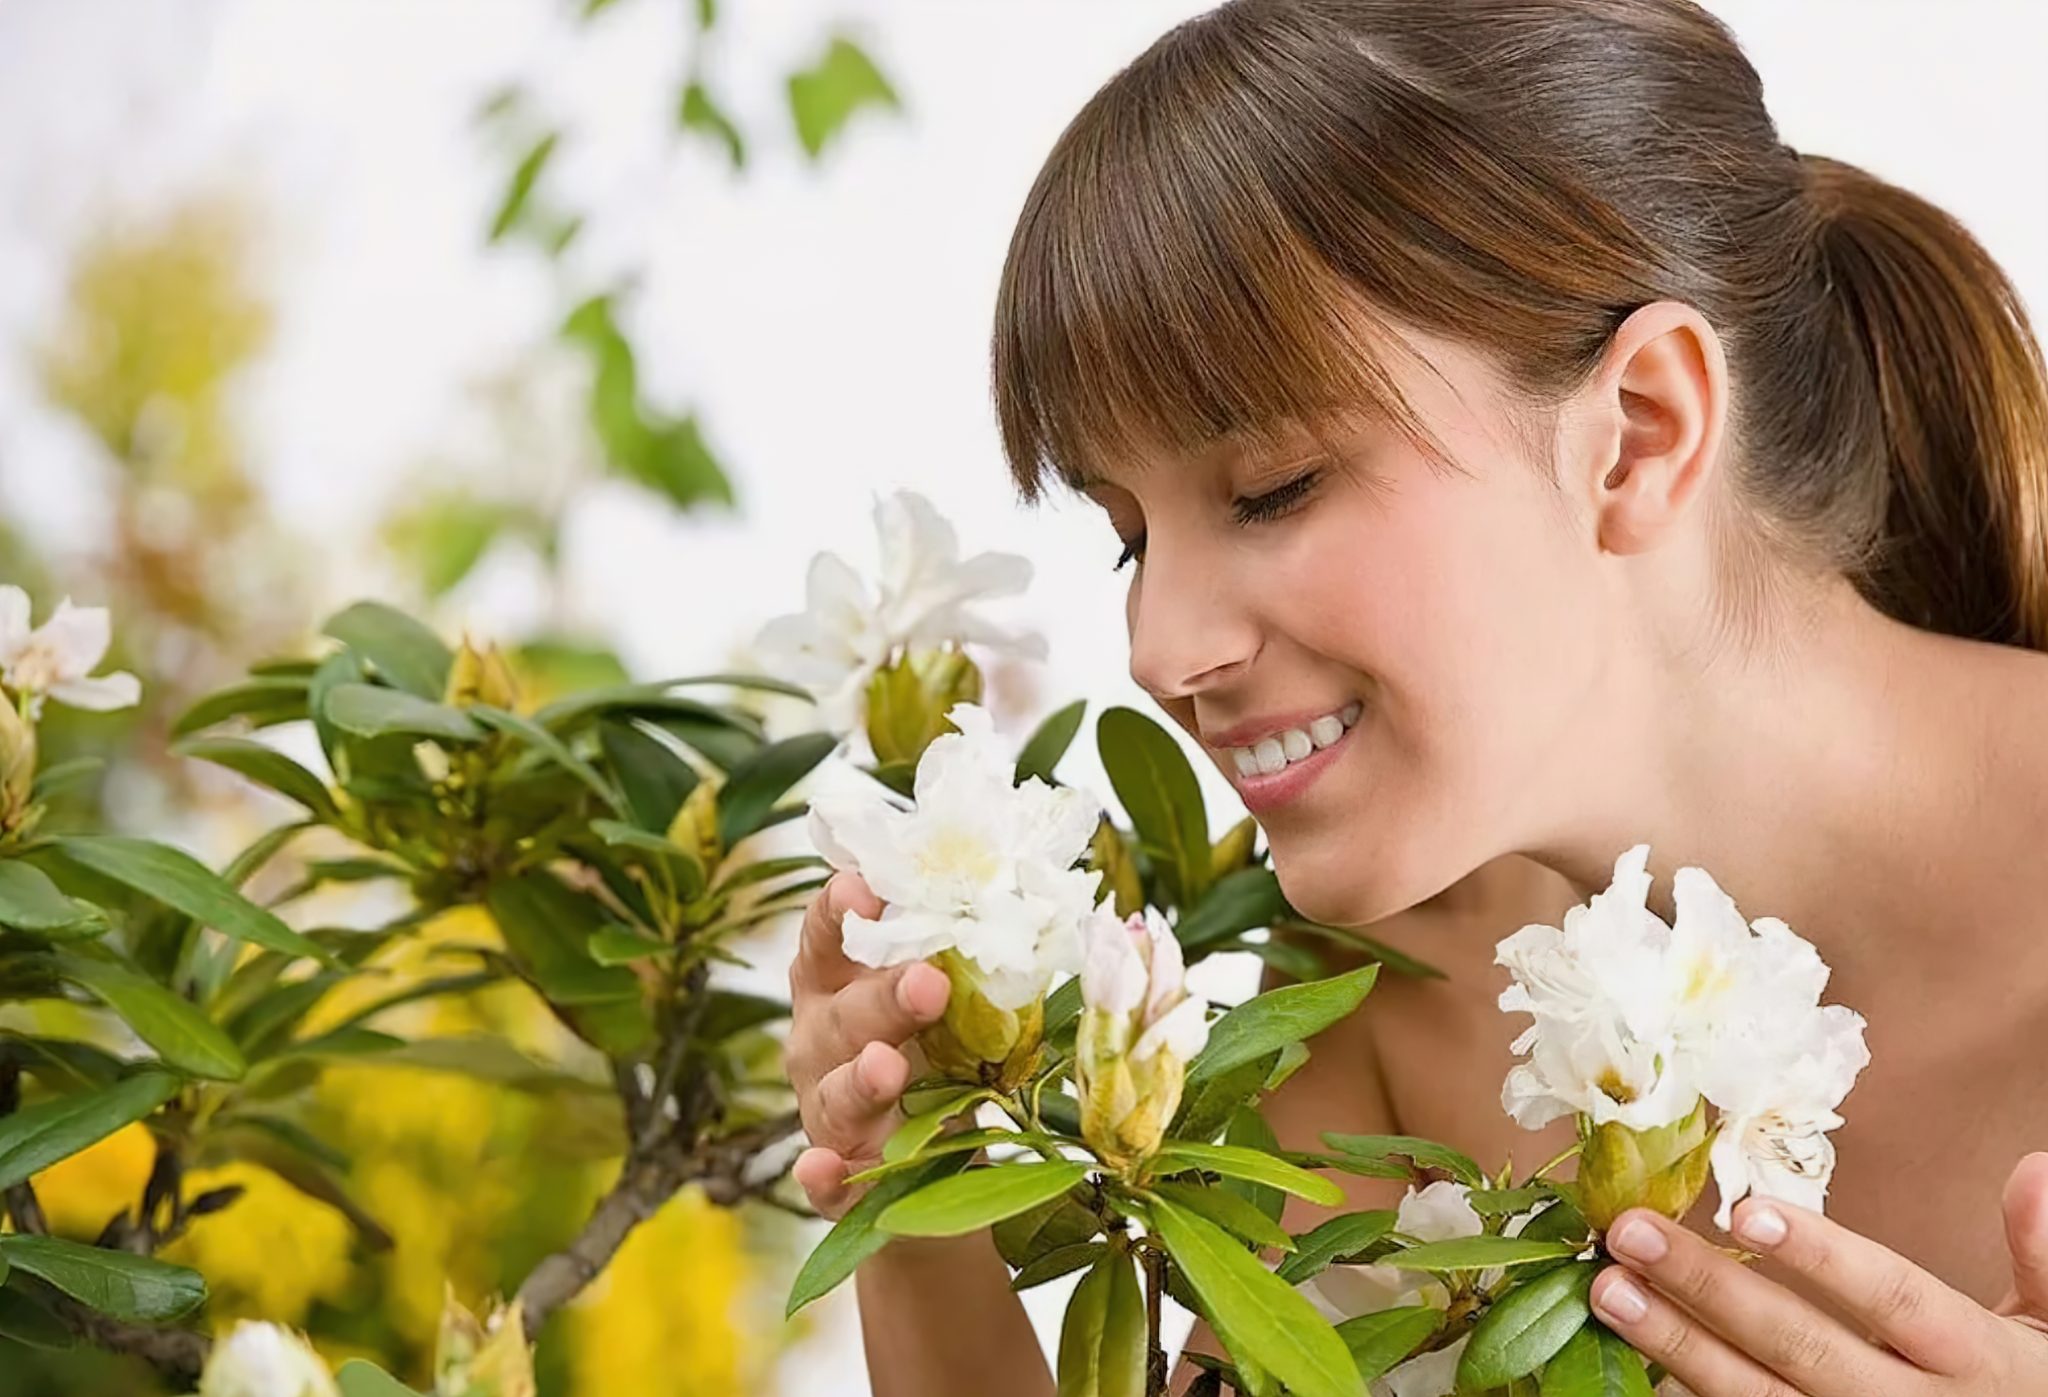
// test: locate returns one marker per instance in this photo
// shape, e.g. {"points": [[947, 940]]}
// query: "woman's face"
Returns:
{"points": [[1390, 656]]}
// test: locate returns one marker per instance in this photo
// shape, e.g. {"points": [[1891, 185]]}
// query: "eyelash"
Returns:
{"points": [[1274, 504]]}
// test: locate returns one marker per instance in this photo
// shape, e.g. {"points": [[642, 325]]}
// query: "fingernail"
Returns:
{"points": [[1620, 1301], [1638, 1241], [1761, 1225]]}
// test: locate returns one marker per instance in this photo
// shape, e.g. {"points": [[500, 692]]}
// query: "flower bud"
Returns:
{"points": [[909, 698], [490, 1358], [481, 676], [695, 827], [1234, 850], [979, 1040], [17, 770], [1110, 855], [1138, 1030], [1663, 1169], [264, 1360]]}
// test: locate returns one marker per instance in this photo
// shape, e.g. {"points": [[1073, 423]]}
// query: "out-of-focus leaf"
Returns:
{"points": [[63, 775], [358, 1378], [699, 111], [655, 780], [665, 454], [550, 746], [180, 1034], [31, 902], [264, 765], [401, 649], [444, 536], [370, 710], [824, 97], [262, 701], [753, 787], [548, 927], [24, 1321], [35, 1137], [519, 191], [113, 1282], [179, 881]]}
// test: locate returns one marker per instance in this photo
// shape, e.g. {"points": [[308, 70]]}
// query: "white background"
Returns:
{"points": [[831, 323]]}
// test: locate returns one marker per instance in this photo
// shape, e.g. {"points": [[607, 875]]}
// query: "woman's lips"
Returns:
{"points": [[1263, 793]]}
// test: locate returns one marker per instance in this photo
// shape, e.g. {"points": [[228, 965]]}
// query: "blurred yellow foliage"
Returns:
{"points": [[270, 1254], [81, 1193], [665, 1318]]}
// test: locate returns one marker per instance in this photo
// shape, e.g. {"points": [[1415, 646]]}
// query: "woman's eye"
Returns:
{"points": [[1134, 551], [1278, 501]]}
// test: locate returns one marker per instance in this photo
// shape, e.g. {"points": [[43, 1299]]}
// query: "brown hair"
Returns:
{"points": [[1211, 248]]}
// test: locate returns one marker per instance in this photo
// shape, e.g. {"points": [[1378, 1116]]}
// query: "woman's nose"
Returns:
{"points": [[1189, 629]]}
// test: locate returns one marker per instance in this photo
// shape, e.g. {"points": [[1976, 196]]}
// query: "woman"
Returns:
{"points": [[1490, 365]]}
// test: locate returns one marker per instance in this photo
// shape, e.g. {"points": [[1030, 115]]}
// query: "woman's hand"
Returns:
{"points": [[845, 1054], [1725, 1331]]}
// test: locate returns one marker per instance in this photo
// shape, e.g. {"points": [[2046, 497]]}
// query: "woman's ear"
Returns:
{"points": [[1660, 400]]}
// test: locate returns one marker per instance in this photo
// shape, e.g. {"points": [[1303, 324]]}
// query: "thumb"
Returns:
{"points": [[2026, 1238]]}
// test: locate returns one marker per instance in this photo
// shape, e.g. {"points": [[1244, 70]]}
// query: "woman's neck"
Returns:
{"points": [[1808, 774]]}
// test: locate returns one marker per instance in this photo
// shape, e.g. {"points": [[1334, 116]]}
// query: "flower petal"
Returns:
{"points": [[100, 694]]}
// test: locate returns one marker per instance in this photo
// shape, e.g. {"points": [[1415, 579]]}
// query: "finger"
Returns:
{"points": [[821, 964], [1935, 1327], [889, 1007], [2026, 1238], [1688, 1350], [854, 1101], [821, 1174], [1755, 1316]]}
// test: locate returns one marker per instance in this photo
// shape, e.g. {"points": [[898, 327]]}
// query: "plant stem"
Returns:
{"points": [[1561, 1158], [1155, 1290]]}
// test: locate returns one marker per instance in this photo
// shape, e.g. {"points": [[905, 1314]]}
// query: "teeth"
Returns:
{"points": [[1273, 754]]}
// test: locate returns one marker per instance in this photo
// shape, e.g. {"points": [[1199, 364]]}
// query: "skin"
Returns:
{"points": [[1561, 652]]}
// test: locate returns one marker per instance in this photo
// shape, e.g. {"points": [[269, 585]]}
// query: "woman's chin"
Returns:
{"points": [[1332, 883]]}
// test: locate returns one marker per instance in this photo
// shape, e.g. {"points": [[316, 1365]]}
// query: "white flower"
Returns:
{"points": [[264, 1360], [1133, 972], [57, 658], [1778, 1079], [1603, 1043], [976, 864], [923, 599]]}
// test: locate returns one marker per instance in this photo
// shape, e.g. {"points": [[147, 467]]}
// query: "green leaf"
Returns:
{"points": [[974, 1200], [1277, 1018], [547, 926], [31, 902], [371, 710], [1526, 1326], [444, 535], [1208, 1105], [115, 1283], [180, 881], [1479, 1253], [34, 1138], [727, 1012], [551, 747], [519, 190], [1246, 900], [826, 96], [699, 111], [401, 649], [1595, 1362], [1102, 1339], [689, 874], [1400, 962], [1051, 1226], [266, 766], [1260, 1317], [180, 1034], [751, 789], [1254, 1166], [1427, 1154], [1506, 1202], [855, 1237], [25, 1321], [357, 1378], [1329, 1242], [262, 701], [1062, 1006], [1228, 1211], [1384, 1338], [917, 1131], [621, 945], [1058, 1262], [1157, 786], [1046, 746], [63, 775], [655, 780], [1248, 1130]]}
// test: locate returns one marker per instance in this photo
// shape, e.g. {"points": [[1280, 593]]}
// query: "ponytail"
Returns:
{"points": [[1955, 384]]}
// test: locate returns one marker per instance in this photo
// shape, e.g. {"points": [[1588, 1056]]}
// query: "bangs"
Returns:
{"points": [[1157, 296]]}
